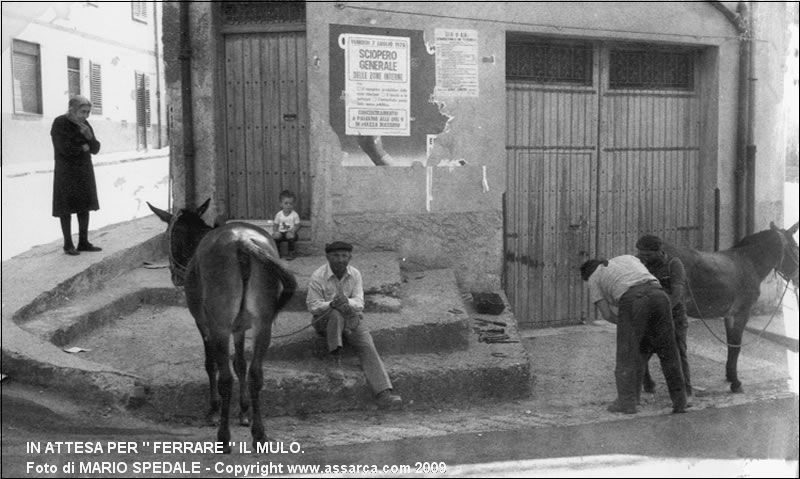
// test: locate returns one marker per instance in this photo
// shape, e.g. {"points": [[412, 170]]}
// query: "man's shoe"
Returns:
{"points": [[387, 400], [615, 407], [71, 251], [89, 247]]}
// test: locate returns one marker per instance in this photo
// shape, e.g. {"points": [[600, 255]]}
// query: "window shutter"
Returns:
{"points": [[143, 99], [96, 87], [147, 100], [139, 11]]}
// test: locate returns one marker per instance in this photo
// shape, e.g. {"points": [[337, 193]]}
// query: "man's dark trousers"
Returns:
{"points": [[645, 324]]}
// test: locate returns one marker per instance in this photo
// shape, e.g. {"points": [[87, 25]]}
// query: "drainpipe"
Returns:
{"points": [[185, 57], [750, 148], [158, 74], [744, 170]]}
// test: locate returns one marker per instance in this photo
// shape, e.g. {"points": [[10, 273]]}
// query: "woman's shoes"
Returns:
{"points": [[89, 247], [71, 251]]}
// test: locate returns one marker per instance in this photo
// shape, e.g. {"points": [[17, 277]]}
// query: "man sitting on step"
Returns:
{"points": [[336, 299]]}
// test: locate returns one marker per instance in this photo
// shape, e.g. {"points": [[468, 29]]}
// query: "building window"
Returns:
{"points": [[651, 69], [139, 11], [544, 61], [96, 88], [74, 76], [27, 74]]}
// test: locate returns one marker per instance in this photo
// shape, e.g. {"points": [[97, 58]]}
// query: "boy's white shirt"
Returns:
{"points": [[286, 223]]}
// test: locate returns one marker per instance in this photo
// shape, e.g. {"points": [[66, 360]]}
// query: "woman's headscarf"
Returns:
{"points": [[78, 101]]}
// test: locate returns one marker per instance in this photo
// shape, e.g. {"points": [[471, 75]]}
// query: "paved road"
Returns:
{"points": [[759, 439]]}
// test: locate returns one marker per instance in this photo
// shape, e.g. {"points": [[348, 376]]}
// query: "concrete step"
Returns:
{"points": [[430, 350], [483, 371]]}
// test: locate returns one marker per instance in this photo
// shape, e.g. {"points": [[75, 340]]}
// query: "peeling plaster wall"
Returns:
{"points": [[385, 207]]}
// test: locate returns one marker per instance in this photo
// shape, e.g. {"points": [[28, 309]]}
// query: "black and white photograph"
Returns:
{"points": [[400, 239]]}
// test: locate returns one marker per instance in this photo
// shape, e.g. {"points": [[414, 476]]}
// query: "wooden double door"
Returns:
{"points": [[602, 145]]}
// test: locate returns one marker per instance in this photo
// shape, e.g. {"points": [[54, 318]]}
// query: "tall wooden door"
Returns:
{"points": [[266, 123], [594, 161]]}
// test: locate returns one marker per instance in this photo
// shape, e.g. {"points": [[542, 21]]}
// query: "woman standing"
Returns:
{"points": [[74, 187]]}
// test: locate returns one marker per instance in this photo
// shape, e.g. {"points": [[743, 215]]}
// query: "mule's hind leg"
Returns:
{"points": [[261, 341], [648, 384], [219, 345], [240, 366], [213, 394], [734, 327]]}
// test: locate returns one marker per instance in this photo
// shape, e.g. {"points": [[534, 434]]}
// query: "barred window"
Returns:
{"points": [[27, 75], [651, 69], [96, 87], [238, 13], [139, 11], [546, 62], [73, 76]]}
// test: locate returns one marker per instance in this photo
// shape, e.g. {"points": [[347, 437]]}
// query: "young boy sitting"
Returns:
{"points": [[288, 222]]}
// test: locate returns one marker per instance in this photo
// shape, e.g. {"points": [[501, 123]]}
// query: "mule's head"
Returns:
{"points": [[185, 230], [788, 265]]}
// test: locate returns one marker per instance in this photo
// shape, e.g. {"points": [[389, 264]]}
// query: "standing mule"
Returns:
{"points": [[727, 283], [233, 282]]}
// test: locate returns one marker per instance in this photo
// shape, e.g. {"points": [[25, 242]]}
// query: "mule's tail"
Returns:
{"points": [[287, 279]]}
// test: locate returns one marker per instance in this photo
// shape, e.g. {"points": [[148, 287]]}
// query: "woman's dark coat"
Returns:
{"points": [[74, 187]]}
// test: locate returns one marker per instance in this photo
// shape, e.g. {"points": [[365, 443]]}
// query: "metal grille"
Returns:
{"points": [[652, 70], [238, 13], [549, 63]]}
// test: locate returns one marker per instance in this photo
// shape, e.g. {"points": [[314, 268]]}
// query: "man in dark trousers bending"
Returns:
{"points": [[627, 295]]}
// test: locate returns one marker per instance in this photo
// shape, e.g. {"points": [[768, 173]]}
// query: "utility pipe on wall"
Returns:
{"points": [[158, 75], [744, 172], [750, 148], [185, 57]]}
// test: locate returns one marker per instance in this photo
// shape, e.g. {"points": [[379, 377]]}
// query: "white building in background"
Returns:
{"points": [[109, 52]]}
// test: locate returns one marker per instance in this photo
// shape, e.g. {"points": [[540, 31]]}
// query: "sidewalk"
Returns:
{"points": [[15, 170], [125, 182]]}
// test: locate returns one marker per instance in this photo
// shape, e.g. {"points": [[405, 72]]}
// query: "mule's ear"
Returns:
{"points": [[202, 208], [165, 216], [793, 229]]}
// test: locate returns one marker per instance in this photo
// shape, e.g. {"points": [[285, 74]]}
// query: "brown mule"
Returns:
{"points": [[727, 284], [233, 281]]}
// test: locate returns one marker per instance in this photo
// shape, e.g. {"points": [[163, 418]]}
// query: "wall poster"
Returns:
{"points": [[377, 85], [382, 82], [456, 62]]}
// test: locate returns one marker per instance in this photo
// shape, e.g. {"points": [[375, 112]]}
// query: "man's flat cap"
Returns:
{"points": [[338, 246], [649, 243]]}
